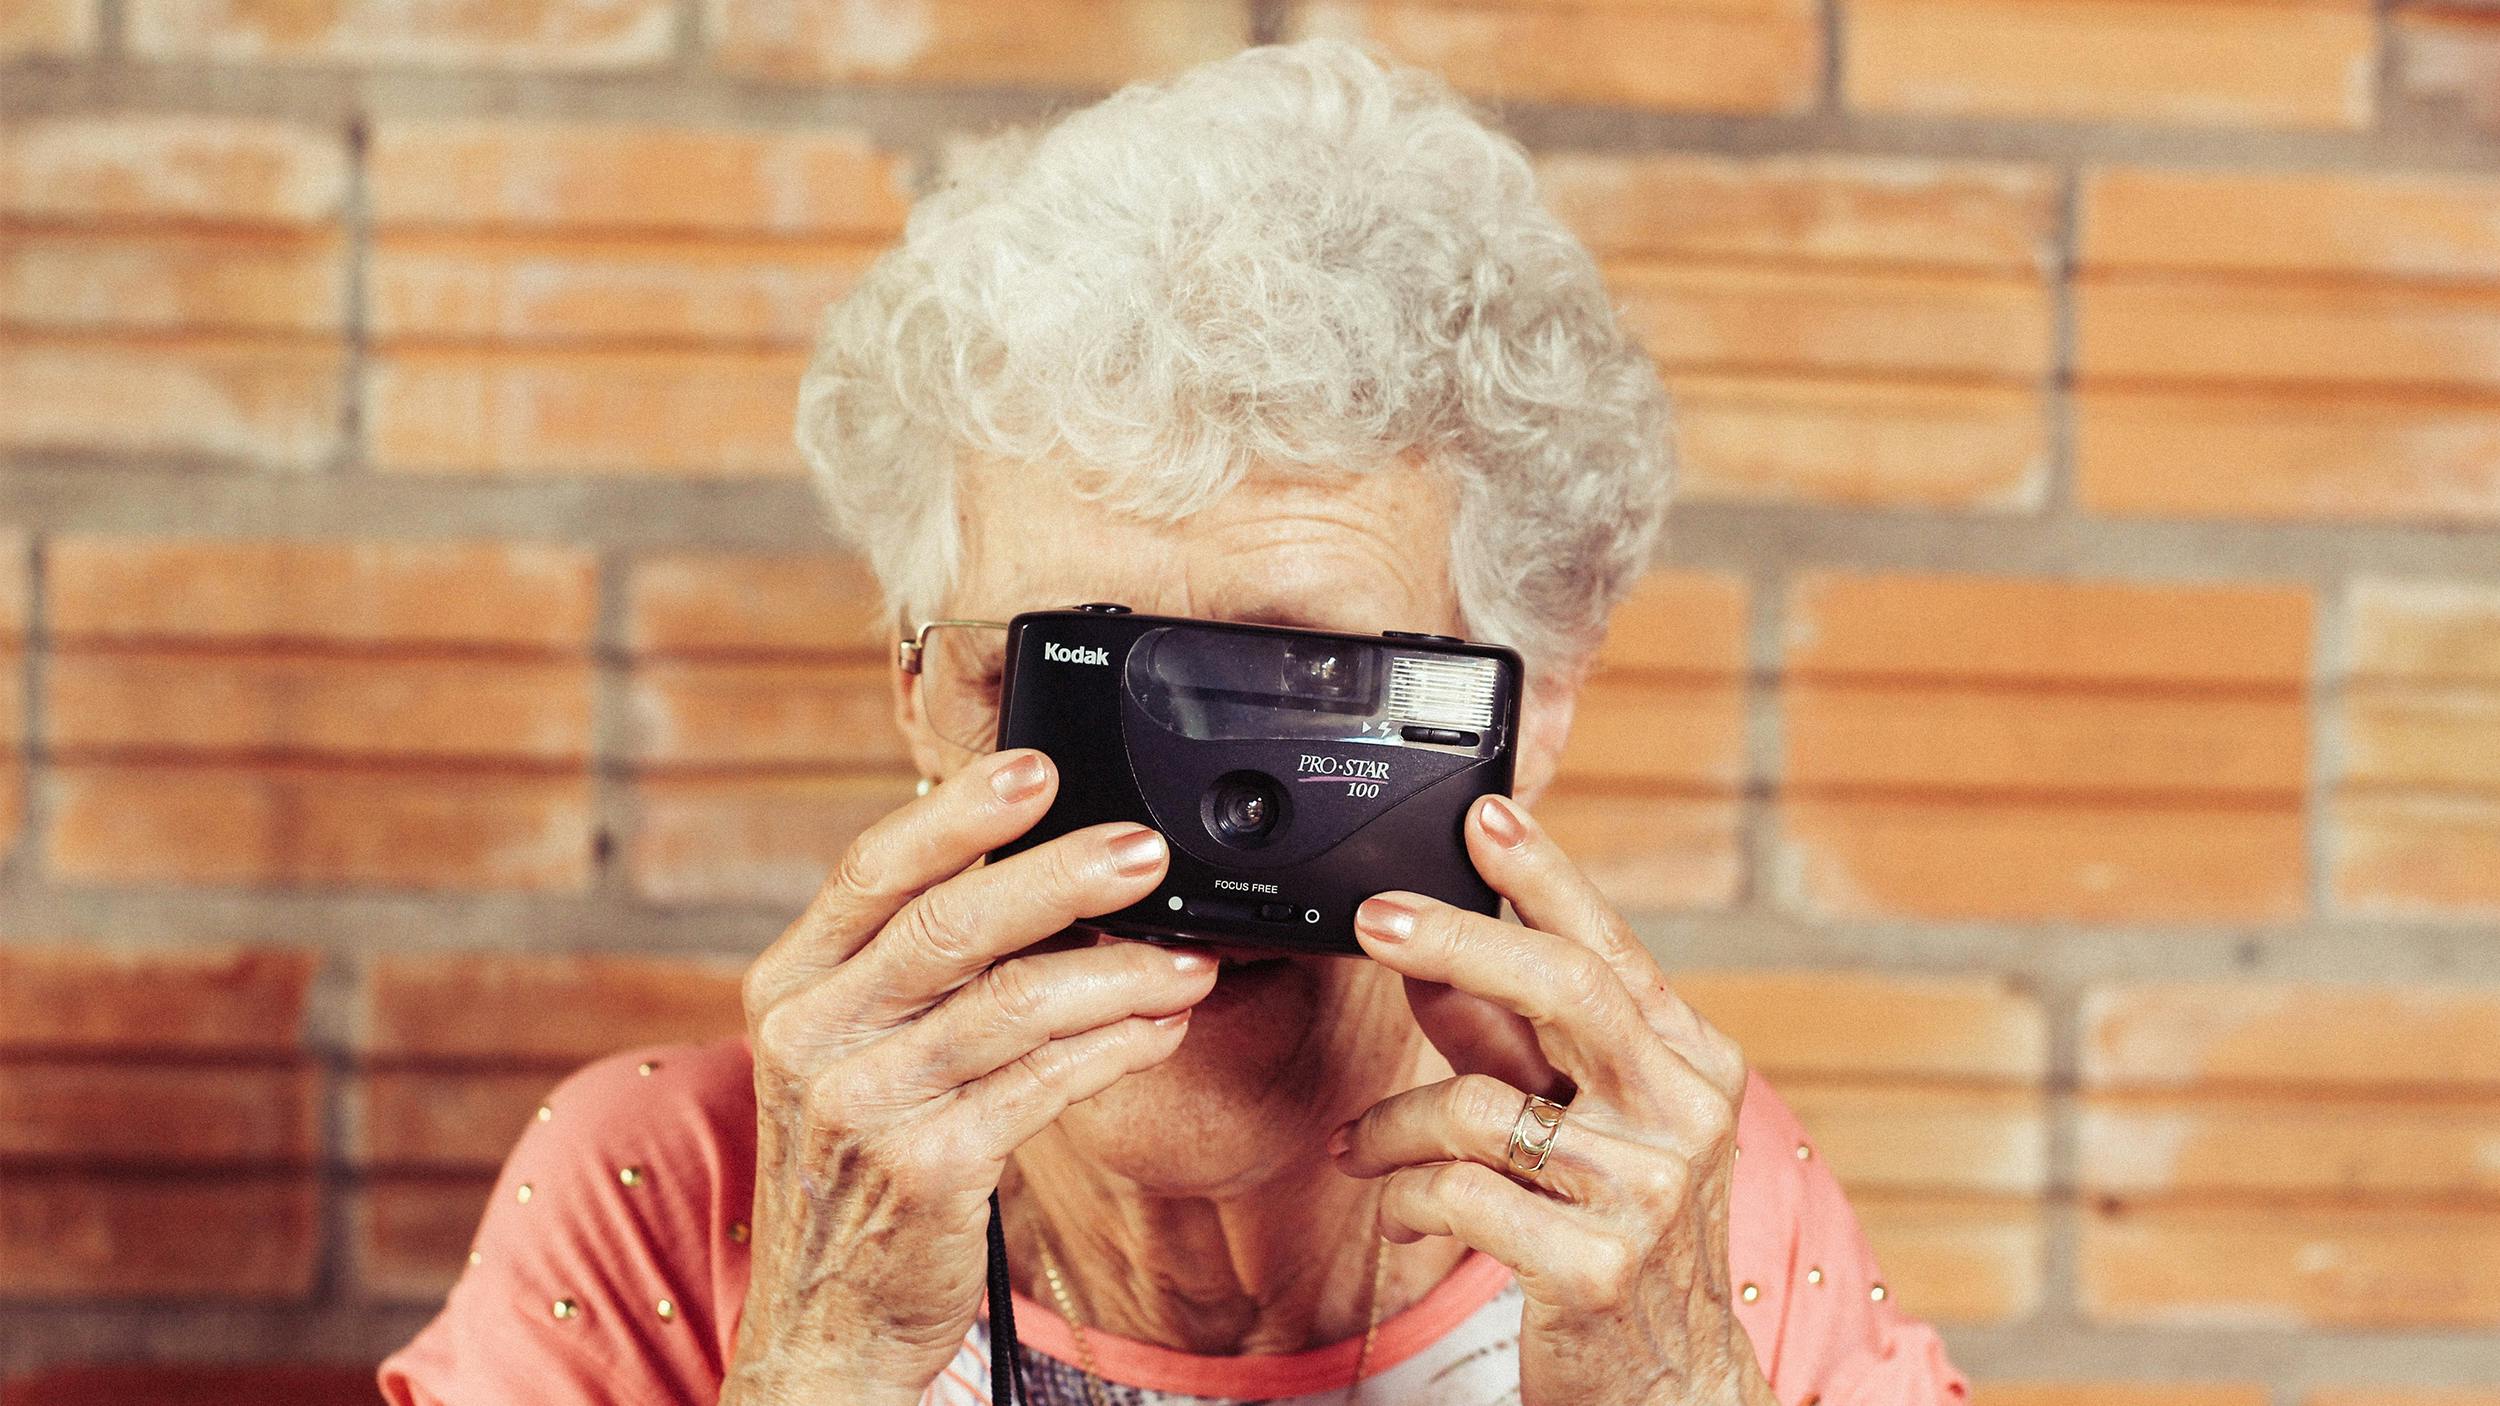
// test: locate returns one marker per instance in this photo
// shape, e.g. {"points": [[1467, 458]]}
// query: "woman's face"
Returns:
{"points": [[1286, 1048]]}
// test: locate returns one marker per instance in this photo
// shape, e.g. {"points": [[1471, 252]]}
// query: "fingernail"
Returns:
{"points": [[1019, 779], [1341, 1139], [1192, 963], [1385, 920], [1137, 851], [1501, 820], [1175, 1018]]}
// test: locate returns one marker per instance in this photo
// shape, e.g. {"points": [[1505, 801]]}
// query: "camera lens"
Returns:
{"points": [[1243, 808]]}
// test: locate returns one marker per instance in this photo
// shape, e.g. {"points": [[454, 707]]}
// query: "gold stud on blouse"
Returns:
{"points": [[666, 1310], [1814, 1275], [545, 1113], [737, 1232], [631, 1176], [1751, 1292], [644, 1069], [566, 1308], [476, 1258], [522, 1193], [1876, 1293], [1804, 1152]]}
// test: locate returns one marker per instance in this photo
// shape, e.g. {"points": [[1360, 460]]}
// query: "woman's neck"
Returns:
{"points": [[1282, 1265]]}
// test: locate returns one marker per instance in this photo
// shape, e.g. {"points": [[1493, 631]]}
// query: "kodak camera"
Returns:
{"points": [[1295, 773]]}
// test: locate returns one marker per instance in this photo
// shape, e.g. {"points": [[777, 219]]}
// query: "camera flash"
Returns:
{"points": [[1443, 691]]}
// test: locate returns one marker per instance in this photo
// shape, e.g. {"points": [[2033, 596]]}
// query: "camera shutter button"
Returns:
{"points": [[1415, 635], [1276, 912]]}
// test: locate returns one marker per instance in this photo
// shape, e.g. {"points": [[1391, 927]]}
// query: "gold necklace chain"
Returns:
{"points": [[1085, 1345]]}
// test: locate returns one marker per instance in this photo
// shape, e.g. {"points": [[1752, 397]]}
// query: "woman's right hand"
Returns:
{"points": [[903, 1051]]}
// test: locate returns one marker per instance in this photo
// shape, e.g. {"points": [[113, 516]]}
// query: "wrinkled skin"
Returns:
{"points": [[1210, 1147]]}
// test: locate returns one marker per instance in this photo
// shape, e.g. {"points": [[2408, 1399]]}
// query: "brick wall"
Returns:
{"points": [[2062, 737]]}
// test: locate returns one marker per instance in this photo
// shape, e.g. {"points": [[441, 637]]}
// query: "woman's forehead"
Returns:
{"points": [[1359, 554]]}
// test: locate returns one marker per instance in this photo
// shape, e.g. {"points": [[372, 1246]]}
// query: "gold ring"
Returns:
{"points": [[1544, 1116]]}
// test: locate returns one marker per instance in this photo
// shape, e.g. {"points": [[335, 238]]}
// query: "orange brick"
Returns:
{"points": [[85, 1113], [530, 34], [1650, 853], [411, 1237], [275, 404], [2225, 452], [706, 414], [2258, 1267], [2363, 1396], [1859, 1026], [2417, 856], [2290, 1145], [1765, 55], [767, 715], [199, 1000], [1927, 1140], [199, 281], [430, 1120], [1849, 210], [2270, 63], [68, 1236], [1741, 267], [1679, 622], [694, 605], [317, 825], [1859, 442], [1926, 738], [2423, 633], [2364, 1037], [2401, 738], [1977, 748], [518, 595], [2166, 330], [587, 289], [2447, 57], [1956, 1261], [2359, 223], [2416, 816], [185, 168], [1995, 861], [315, 706], [32, 28], [587, 176], [1678, 737], [1798, 319], [1047, 43], [2156, 635], [769, 840], [2117, 1394], [550, 1012]]}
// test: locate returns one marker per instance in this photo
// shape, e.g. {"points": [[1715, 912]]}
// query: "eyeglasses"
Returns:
{"points": [[959, 664]]}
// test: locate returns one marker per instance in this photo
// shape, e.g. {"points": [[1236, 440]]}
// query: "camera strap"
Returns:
{"points": [[1006, 1354]]}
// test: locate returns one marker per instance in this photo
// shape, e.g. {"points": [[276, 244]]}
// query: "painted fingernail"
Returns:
{"points": [[1137, 851], [1501, 820], [1341, 1139], [1020, 779], [1385, 920], [1192, 963]]}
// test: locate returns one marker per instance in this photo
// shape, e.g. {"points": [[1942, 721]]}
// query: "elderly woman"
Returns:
{"points": [[1287, 339]]}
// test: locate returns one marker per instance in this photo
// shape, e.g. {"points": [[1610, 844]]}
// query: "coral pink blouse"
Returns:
{"points": [[612, 1264]]}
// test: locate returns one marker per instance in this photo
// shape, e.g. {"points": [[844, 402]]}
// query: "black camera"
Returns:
{"points": [[1294, 772]]}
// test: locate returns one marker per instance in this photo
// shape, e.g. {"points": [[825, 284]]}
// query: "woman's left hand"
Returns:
{"points": [[1620, 1241]]}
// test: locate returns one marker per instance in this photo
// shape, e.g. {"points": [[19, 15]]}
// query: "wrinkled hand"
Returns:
{"points": [[1620, 1242], [911, 1030]]}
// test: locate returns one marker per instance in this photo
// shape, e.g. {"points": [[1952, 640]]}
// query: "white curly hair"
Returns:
{"points": [[1296, 259]]}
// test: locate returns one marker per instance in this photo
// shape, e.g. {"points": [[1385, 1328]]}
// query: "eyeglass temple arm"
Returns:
{"points": [[911, 652]]}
